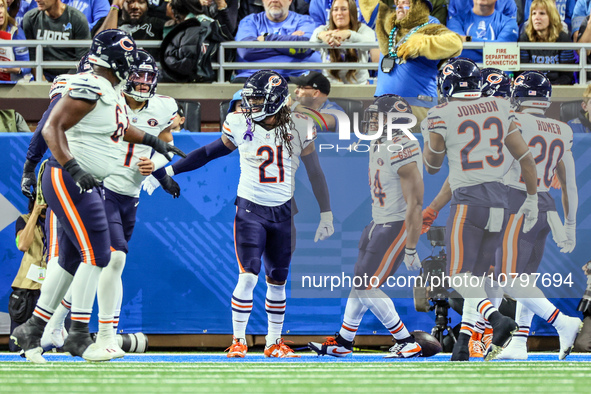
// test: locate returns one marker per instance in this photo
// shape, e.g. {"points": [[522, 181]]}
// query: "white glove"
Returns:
{"points": [[529, 208], [411, 259], [150, 184], [325, 228], [571, 237]]}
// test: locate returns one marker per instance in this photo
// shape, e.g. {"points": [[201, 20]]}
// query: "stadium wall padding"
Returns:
{"points": [[181, 268]]}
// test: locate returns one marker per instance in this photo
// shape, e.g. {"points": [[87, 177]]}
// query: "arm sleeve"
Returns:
{"points": [[571, 186], [317, 31], [100, 9], [510, 31], [317, 180], [248, 31], [364, 34], [201, 156], [579, 15], [38, 146], [293, 52], [21, 53]]}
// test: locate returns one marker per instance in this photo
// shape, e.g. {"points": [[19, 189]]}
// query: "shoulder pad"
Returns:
{"points": [[83, 94], [59, 85]]}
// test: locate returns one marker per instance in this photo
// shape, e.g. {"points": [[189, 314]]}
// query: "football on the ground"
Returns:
{"points": [[428, 342]]}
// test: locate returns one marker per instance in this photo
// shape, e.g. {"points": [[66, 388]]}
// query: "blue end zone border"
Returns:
{"points": [[305, 358]]}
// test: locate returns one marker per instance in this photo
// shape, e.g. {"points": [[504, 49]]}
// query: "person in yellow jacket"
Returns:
{"points": [[30, 239]]}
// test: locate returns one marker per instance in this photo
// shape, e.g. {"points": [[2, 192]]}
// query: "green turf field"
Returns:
{"points": [[296, 377]]}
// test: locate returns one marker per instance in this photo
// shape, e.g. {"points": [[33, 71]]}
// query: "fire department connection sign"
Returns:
{"points": [[502, 56]]}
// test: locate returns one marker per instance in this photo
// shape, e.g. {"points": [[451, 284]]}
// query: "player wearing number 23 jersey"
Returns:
{"points": [[271, 141], [473, 133]]}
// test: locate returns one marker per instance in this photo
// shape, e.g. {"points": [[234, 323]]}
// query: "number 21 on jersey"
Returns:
{"points": [[272, 156]]}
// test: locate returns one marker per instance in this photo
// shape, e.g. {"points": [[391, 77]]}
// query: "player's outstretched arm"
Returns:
{"points": [[320, 188], [520, 151], [137, 136], [434, 153]]}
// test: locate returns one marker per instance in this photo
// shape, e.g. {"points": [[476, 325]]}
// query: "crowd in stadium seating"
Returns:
{"points": [[299, 20]]}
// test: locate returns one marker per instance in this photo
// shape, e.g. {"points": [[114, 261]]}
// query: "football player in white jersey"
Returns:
{"points": [[83, 133], [550, 141], [271, 141], [152, 114], [473, 133], [396, 185]]}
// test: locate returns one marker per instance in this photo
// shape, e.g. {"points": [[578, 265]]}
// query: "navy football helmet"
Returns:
{"points": [[144, 74], [382, 105], [265, 92], [83, 65], [532, 89], [113, 49], [460, 77], [495, 83]]}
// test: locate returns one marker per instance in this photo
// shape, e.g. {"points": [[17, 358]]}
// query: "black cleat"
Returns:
{"points": [[28, 335], [503, 330], [461, 350], [333, 346], [77, 342]]}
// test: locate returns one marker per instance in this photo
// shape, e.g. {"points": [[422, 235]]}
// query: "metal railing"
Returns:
{"points": [[222, 65]]}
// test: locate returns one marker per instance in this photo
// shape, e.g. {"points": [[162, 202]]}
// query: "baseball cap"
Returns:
{"points": [[313, 79]]}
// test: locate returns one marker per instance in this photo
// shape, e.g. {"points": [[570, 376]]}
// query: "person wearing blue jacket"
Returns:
{"points": [[276, 23], [483, 23], [93, 10]]}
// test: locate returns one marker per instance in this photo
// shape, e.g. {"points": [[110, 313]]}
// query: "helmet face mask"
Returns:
{"points": [[114, 49], [264, 94], [532, 89], [143, 79], [460, 78]]}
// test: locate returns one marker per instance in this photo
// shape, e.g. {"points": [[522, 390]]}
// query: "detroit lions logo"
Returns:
{"points": [[67, 26], [153, 122]]}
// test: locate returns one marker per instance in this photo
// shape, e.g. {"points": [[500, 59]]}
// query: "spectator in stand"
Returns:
{"points": [[94, 10], [312, 93], [18, 8], [181, 10], [53, 20], [565, 10], [276, 23], [505, 7], [581, 123], [10, 31], [12, 122], [131, 16], [580, 15], [229, 9], [320, 11], [247, 7], [179, 120], [545, 26], [483, 23], [344, 27]]}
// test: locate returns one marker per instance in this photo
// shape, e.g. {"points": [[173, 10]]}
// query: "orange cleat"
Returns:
{"points": [[476, 347], [280, 350], [238, 348]]}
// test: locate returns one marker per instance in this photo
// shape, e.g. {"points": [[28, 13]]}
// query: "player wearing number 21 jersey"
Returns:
{"points": [[473, 132], [271, 141]]}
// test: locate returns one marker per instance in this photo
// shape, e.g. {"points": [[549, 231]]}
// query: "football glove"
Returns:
{"points": [[83, 179], [429, 216], [411, 259], [325, 228], [150, 184], [170, 186], [28, 180], [571, 237], [529, 209], [162, 147]]}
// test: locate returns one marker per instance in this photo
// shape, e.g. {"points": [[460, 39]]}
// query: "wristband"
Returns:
{"points": [[116, 7]]}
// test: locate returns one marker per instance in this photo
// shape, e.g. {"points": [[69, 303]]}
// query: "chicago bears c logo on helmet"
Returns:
{"points": [[127, 44], [401, 106], [274, 80], [448, 69], [494, 78], [519, 80]]}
